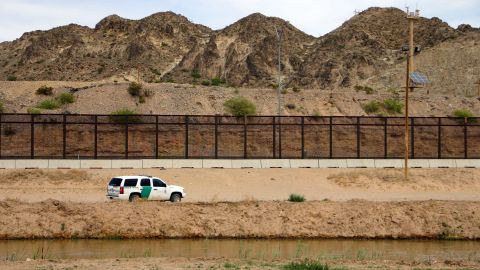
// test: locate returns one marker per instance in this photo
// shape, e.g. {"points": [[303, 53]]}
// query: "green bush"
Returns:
{"points": [[44, 90], [11, 78], [34, 111], [465, 114], [49, 104], [66, 98], [217, 81], [240, 106], [135, 89], [296, 198], [372, 107], [296, 89], [393, 106], [196, 74], [368, 90], [306, 265], [125, 115], [206, 83]]}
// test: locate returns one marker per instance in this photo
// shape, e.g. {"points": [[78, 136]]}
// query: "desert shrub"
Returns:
{"points": [[368, 90], [296, 89], [1, 107], [44, 90], [11, 78], [306, 265], [155, 71], [290, 106], [240, 106], [141, 99], [372, 106], [206, 83], [125, 115], [296, 198], [393, 106], [66, 98], [217, 81], [49, 104], [284, 91], [196, 74], [463, 113], [135, 89], [34, 111]]}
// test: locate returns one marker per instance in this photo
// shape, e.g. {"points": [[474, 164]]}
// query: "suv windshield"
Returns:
{"points": [[115, 182]]}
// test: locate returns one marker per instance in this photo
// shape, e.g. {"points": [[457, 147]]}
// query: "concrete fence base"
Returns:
{"points": [[237, 164]]}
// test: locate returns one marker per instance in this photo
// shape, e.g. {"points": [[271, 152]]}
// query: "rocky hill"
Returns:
{"points": [[168, 47]]}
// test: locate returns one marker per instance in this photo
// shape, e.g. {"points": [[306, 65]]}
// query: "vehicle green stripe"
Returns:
{"points": [[146, 192]]}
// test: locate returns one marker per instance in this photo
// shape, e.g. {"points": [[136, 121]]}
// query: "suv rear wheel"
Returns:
{"points": [[176, 197], [134, 198]]}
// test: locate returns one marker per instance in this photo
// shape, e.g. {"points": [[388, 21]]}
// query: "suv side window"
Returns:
{"points": [[158, 183], [145, 182], [130, 183]]}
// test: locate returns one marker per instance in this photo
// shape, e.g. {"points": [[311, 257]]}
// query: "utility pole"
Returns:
{"points": [[478, 87], [411, 17]]}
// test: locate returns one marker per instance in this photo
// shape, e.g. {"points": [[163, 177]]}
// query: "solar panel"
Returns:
{"points": [[418, 78]]}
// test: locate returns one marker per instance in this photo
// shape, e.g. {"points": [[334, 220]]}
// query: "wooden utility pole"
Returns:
{"points": [[412, 17], [478, 87]]}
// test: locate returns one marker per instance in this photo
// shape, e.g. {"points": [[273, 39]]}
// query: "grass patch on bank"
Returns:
{"points": [[296, 198], [307, 265], [123, 116]]}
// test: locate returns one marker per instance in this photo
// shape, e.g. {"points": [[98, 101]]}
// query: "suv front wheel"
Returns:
{"points": [[176, 197]]}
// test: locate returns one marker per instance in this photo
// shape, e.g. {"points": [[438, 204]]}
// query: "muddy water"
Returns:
{"points": [[254, 249]]}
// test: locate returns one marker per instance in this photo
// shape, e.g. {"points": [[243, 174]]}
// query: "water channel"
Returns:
{"points": [[242, 249]]}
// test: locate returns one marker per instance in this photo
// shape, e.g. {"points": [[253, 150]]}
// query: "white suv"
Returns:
{"points": [[133, 188]]}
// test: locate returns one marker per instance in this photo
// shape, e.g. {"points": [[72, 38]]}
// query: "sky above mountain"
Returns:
{"points": [[315, 17]]}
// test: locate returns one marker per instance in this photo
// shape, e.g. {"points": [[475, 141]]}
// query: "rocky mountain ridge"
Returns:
{"points": [[168, 47]]}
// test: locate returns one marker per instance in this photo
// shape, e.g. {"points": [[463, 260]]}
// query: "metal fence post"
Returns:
{"points": [[274, 128], [32, 137], [95, 146], [439, 142], [465, 139], [156, 137], [245, 137], [385, 138], [358, 137], [303, 137], [126, 137], [1, 119], [216, 136], [64, 136], [186, 136], [280, 137], [412, 137], [330, 137]]}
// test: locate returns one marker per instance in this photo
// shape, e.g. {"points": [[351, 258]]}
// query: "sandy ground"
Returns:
{"points": [[214, 185], [255, 219], [178, 263]]}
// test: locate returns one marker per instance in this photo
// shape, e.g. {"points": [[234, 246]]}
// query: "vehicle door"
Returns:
{"points": [[160, 190], [146, 189]]}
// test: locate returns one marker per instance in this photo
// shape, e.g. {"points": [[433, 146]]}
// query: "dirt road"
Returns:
{"points": [[214, 185]]}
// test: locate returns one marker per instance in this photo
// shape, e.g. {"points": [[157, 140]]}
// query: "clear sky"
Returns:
{"points": [[315, 17]]}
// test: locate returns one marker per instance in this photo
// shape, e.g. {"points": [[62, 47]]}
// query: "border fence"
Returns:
{"points": [[72, 136]]}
